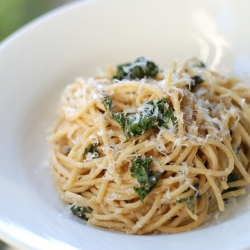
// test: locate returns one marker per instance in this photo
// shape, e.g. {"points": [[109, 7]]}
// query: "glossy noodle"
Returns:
{"points": [[149, 152]]}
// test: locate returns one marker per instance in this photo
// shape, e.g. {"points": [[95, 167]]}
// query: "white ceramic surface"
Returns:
{"points": [[39, 60]]}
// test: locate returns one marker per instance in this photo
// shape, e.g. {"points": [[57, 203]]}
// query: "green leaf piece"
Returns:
{"points": [[196, 80], [91, 149], [153, 114], [147, 179], [232, 177], [190, 201], [81, 212], [139, 69]]}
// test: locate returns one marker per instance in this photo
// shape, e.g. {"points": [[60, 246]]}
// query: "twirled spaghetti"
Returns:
{"points": [[195, 152]]}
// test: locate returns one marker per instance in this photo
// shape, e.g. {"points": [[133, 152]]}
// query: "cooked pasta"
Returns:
{"points": [[143, 151]]}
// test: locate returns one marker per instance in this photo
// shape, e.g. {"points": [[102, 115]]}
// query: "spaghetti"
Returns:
{"points": [[154, 154]]}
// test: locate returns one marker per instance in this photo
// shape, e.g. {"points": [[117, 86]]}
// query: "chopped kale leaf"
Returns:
{"points": [[232, 177], [230, 189], [236, 150], [119, 118], [107, 102], [198, 196], [151, 115], [197, 79], [91, 149], [147, 179], [81, 212], [165, 114], [201, 65], [190, 201], [139, 69]]}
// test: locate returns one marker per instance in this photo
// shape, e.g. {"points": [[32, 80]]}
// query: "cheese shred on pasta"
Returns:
{"points": [[193, 161]]}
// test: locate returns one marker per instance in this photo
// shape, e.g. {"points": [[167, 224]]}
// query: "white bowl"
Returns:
{"points": [[39, 60]]}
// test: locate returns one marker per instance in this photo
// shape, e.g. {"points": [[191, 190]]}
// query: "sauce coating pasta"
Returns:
{"points": [[146, 152]]}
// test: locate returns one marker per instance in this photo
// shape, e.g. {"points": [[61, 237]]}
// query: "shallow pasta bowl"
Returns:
{"points": [[39, 60]]}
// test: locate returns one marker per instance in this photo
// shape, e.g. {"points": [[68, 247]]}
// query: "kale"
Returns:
{"points": [[81, 212], [196, 185], [201, 65], [236, 150], [197, 79], [139, 69], [190, 201], [120, 119], [107, 102], [232, 177], [151, 115], [121, 71], [197, 195], [230, 189], [91, 149], [165, 114], [145, 176], [136, 123]]}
